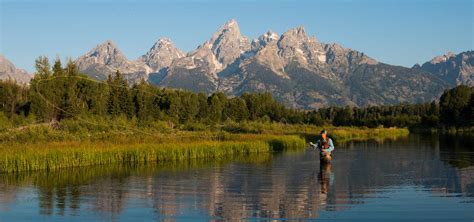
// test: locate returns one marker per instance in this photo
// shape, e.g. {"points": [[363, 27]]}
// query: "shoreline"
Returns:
{"points": [[52, 149], [57, 155]]}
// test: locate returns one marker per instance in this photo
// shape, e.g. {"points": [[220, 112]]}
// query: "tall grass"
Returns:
{"points": [[50, 156], [78, 143], [126, 130], [345, 134], [83, 175]]}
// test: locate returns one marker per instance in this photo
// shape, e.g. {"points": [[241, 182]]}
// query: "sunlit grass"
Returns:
{"points": [[82, 144], [56, 155], [85, 174]]}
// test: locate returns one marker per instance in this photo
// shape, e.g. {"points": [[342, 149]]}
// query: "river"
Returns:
{"points": [[418, 178]]}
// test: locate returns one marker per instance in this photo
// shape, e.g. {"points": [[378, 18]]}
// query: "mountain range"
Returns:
{"points": [[298, 70]]}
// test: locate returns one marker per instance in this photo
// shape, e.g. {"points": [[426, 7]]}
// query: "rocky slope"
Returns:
{"points": [[454, 69], [161, 55], [198, 70], [9, 71], [105, 59], [297, 69]]}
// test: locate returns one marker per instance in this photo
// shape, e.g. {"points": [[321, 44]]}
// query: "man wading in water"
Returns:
{"points": [[325, 146]]}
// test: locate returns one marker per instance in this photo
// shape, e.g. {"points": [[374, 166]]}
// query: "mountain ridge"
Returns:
{"points": [[297, 69]]}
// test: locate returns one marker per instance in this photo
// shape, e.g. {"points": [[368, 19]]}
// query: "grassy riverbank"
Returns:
{"points": [[55, 155], [124, 130], [76, 143]]}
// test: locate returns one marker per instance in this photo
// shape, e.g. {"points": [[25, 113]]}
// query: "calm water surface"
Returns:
{"points": [[415, 179]]}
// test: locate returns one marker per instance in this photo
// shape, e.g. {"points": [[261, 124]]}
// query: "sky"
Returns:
{"points": [[399, 32]]}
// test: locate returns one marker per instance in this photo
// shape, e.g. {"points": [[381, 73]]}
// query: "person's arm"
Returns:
{"points": [[331, 146]]}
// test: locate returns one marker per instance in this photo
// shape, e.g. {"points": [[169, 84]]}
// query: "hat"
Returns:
{"points": [[324, 131]]}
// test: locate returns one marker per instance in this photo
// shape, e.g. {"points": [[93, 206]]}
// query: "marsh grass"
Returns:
{"points": [[113, 129], [350, 134], [77, 143], [84, 175], [57, 155]]}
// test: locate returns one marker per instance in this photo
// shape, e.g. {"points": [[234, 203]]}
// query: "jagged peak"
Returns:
{"points": [[105, 53], [230, 24], [269, 36], [161, 43], [107, 47], [231, 27], [298, 31], [227, 44], [297, 36], [442, 58], [161, 54], [164, 41], [107, 43], [264, 39]]}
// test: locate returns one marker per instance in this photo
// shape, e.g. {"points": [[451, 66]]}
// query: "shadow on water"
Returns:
{"points": [[418, 173]]}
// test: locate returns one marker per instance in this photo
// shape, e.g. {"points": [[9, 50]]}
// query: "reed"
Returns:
{"points": [[84, 175], [56, 155], [345, 134]]}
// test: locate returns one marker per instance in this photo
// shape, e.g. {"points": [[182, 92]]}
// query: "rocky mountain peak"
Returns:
{"points": [[231, 24], [264, 39], [455, 69], [297, 34], [227, 43], [295, 44], [161, 54], [269, 36], [106, 58], [106, 53], [296, 68], [442, 58], [346, 59], [164, 41]]}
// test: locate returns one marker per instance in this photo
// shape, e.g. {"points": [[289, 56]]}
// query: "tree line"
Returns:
{"points": [[61, 91]]}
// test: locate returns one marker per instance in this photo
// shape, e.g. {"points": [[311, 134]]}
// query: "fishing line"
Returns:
{"points": [[41, 81], [77, 116]]}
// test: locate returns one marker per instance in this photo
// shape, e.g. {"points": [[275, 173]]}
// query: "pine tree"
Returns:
{"points": [[113, 102], [41, 91]]}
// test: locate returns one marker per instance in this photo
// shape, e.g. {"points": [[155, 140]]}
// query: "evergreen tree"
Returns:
{"points": [[113, 102], [70, 102], [13, 98], [217, 102], [236, 110], [454, 106], [42, 91]]}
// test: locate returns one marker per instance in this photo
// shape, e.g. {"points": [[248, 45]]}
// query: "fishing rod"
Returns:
{"points": [[41, 81]]}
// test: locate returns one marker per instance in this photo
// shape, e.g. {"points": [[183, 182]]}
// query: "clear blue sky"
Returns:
{"points": [[401, 32]]}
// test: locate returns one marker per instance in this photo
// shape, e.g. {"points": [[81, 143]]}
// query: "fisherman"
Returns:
{"points": [[325, 146]]}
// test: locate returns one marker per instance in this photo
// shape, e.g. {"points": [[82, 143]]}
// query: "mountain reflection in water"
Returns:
{"points": [[414, 178]]}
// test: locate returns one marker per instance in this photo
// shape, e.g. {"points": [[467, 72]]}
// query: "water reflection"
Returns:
{"points": [[293, 185], [326, 176]]}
